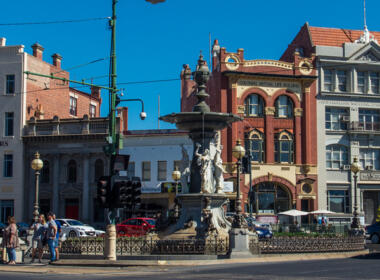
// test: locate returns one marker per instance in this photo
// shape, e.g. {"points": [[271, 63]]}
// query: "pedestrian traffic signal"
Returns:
{"points": [[245, 165], [103, 191]]}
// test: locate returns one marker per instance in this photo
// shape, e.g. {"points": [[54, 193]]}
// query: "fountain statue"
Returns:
{"points": [[202, 212]]}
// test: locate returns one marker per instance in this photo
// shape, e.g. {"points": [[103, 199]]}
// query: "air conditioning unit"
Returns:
{"points": [[345, 118], [346, 167], [368, 167]]}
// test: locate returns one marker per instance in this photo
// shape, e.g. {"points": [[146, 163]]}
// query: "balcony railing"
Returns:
{"points": [[364, 126], [58, 126]]}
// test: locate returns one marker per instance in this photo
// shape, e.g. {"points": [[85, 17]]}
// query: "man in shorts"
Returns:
{"points": [[51, 235]]}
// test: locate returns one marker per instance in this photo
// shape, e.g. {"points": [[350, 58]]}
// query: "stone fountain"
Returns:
{"points": [[202, 214]]}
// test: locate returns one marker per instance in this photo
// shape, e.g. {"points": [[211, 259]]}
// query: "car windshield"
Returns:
{"points": [[151, 222], [74, 223]]}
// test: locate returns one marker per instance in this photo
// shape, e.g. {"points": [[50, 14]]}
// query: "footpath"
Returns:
{"points": [[98, 266]]}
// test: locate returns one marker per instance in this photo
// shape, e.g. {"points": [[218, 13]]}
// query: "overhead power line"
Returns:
{"points": [[53, 22]]}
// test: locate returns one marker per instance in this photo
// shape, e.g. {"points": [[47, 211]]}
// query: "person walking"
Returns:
{"points": [[10, 240], [57, 244], [38, 240], [51, 235]]}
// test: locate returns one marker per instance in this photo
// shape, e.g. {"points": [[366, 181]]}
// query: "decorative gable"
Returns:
{"points": [[369, 52]]}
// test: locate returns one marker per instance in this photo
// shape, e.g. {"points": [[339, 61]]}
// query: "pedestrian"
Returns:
{"points": [[39, 238], [10, 240], [57, 239], [51, 235]]}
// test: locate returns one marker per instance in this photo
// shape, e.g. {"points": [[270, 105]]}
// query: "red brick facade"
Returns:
{"points": [[46, 98], [232, 81]]}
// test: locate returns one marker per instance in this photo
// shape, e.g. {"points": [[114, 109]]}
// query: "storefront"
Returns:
{"points": [[370, 195]]}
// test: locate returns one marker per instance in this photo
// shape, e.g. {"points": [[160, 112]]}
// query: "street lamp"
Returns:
{"points": [[238, 152], [36, 165], [176, 175], [355, 168]]}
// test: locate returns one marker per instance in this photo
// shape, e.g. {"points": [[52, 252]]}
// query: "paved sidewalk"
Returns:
{"points": [[81, 266]]}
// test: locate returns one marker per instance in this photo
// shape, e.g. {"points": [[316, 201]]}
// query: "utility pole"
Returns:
{"points": [[110, 239]]}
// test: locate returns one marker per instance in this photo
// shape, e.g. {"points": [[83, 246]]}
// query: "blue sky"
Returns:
{"points": [[154, 41]]}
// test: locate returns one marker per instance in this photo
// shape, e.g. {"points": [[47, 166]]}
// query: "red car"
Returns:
{"points": [[136, 226]]}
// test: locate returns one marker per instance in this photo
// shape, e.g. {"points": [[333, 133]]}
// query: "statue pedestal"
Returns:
{"points": [[239, 243], [201, 215]]}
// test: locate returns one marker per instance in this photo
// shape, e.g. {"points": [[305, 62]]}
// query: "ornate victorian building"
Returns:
{"points": [[277, 101]]}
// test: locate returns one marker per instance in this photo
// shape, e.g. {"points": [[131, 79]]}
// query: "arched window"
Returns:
{"points": [[336, 156], [284, 107], [283, 147], [256, 145], [254, 105], [71, 171], [99, 169], [45, 172]]}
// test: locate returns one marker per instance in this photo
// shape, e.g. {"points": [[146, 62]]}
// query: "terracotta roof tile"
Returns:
{"points": [[322, 36]]}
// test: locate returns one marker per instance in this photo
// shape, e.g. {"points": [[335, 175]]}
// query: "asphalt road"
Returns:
{"points": [[332, 269]]}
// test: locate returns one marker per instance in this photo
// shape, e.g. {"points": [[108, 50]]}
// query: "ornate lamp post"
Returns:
{"points": [[36, 165], [238, 152], [176, 176], [355, 168]]}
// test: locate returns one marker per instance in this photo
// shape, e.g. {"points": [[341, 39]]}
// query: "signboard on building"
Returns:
{"points": [[369, 175]]}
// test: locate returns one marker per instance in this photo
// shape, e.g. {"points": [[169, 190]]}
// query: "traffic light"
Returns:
{"points": [[103, 191], [125, 193], [136, 192]]}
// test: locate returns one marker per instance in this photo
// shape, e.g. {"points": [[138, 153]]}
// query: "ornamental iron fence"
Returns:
{"points": [[129, 246], [308, 244]]}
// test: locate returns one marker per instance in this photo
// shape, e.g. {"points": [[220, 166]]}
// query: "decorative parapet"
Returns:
{"points": [[266, 62]]}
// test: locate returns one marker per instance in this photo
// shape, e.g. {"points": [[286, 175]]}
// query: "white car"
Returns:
{"points": [[74, 228]]}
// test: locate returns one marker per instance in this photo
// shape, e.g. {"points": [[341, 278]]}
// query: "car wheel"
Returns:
{"points": [[375, 239], [72, 234]]}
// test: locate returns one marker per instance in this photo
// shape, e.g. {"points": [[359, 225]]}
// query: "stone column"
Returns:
{"points": [[55, 202], [308, 127], [85, 189], [297, 135], [269, 136]]}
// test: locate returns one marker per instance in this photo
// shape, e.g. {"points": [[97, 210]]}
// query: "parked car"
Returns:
{"points": [[22, 229], [263, 232], [75, 228], [136, 226], [372, 232]]}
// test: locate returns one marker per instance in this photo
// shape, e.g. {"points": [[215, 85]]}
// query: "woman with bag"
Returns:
{"points": [[39, 236], [10, 240]]}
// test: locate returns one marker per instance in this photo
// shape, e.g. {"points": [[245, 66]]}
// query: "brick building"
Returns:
{"points": [[277, 101], [348, 110], [23, 97]]}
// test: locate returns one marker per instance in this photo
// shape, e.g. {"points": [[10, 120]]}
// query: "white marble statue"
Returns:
{"points": [[218, 169], [204, 161], [184, 168]]}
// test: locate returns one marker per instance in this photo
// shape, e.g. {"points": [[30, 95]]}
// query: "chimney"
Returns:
{"points": [[57, 59], [37, 50], [95, 92], [2, 42]]}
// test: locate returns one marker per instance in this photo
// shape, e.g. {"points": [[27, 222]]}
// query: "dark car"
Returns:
{"points": [[263, 232], [136, 226], [2, 227], [22, 229], [372, 232]]}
